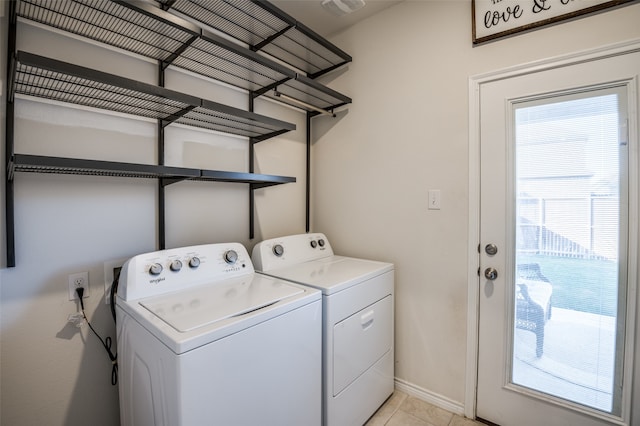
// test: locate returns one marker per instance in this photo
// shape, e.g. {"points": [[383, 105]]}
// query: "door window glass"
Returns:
{"points": [[570, 181]]}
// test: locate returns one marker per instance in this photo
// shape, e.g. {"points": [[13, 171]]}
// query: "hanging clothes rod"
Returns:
{"points": [[303, 104]]}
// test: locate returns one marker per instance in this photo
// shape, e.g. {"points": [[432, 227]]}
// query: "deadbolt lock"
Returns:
{"points": [[491, 249]]}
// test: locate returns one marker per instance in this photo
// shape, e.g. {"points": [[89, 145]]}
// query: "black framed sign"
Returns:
{"points": [[493, 19]]}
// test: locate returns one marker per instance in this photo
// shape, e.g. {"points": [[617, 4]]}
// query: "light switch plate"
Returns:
{"points": [[434, 199]]}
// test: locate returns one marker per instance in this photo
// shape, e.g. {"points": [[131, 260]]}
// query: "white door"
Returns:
{"points": [[554, 327]]}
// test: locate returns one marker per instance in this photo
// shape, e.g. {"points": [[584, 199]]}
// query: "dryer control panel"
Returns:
{"points": [[164, 271], [290, 250]]}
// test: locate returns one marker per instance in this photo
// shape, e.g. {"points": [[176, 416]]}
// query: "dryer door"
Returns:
{"points": [[360, 340]]}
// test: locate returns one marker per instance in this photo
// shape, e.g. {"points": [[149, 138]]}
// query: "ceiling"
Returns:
{"points": [[313, 15]]}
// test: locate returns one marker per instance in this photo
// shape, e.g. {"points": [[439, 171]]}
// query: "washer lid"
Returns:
{"points": [[204, 305], [333, 273]]}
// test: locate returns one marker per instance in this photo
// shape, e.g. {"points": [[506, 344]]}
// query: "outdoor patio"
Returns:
{"points": [[578, 359]]}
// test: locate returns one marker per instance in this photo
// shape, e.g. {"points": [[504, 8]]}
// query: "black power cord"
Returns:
{"points": [[106, 342], [114, 291]]}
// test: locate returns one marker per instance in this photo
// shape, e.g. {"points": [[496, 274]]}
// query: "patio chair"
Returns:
{"points": [[533, 301]]}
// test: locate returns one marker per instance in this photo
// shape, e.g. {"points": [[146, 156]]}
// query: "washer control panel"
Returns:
{"points": [[290, 250], [169, 270]]}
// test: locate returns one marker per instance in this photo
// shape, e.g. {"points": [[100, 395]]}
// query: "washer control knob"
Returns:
{"points": [[278, 250], [321, 242], [194, 262], [155, 269], [314, 244], [176, 265], [230, 257]]}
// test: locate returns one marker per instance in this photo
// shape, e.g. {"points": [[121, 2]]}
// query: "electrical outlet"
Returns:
{"points": [[80, 279]]}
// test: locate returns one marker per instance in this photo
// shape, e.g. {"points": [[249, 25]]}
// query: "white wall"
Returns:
{"points": [[405, 133], [51, 372]]}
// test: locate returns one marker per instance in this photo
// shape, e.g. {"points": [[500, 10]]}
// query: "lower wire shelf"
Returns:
{"points": [[76, 166], [165, 174], [169, 174]]}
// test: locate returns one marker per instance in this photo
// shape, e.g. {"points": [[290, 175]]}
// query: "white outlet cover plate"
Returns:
{"points": [[84, 276]]}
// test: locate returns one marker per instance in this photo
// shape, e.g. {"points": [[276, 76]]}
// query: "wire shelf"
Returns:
{"points": [[75, 166], [149, 31], [137, 28], [307, 91], [255, 179], [60, 81], [265, 27], [220, 59]]}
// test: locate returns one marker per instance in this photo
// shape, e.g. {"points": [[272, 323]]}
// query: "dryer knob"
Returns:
{"points": [[194, 262], [176, 265], [230, 257], [278, 250], [155, 269]]}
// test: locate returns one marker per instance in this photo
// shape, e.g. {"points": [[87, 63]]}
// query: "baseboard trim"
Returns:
{"points": [[430, 397]]}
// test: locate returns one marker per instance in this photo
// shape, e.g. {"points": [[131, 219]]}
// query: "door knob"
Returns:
{"points": [[490, 274]]}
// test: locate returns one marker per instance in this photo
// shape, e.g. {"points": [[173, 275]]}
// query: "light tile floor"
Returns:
{"points": [[404, 410]]}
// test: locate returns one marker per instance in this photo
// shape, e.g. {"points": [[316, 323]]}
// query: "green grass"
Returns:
{"points": [[579, 284]]}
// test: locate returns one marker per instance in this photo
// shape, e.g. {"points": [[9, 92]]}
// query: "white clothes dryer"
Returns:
{"points": [[358, 321], [204, 340]]}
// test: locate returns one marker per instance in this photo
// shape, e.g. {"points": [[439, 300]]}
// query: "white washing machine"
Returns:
{"points": [[204, 340], [358, 318]]}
